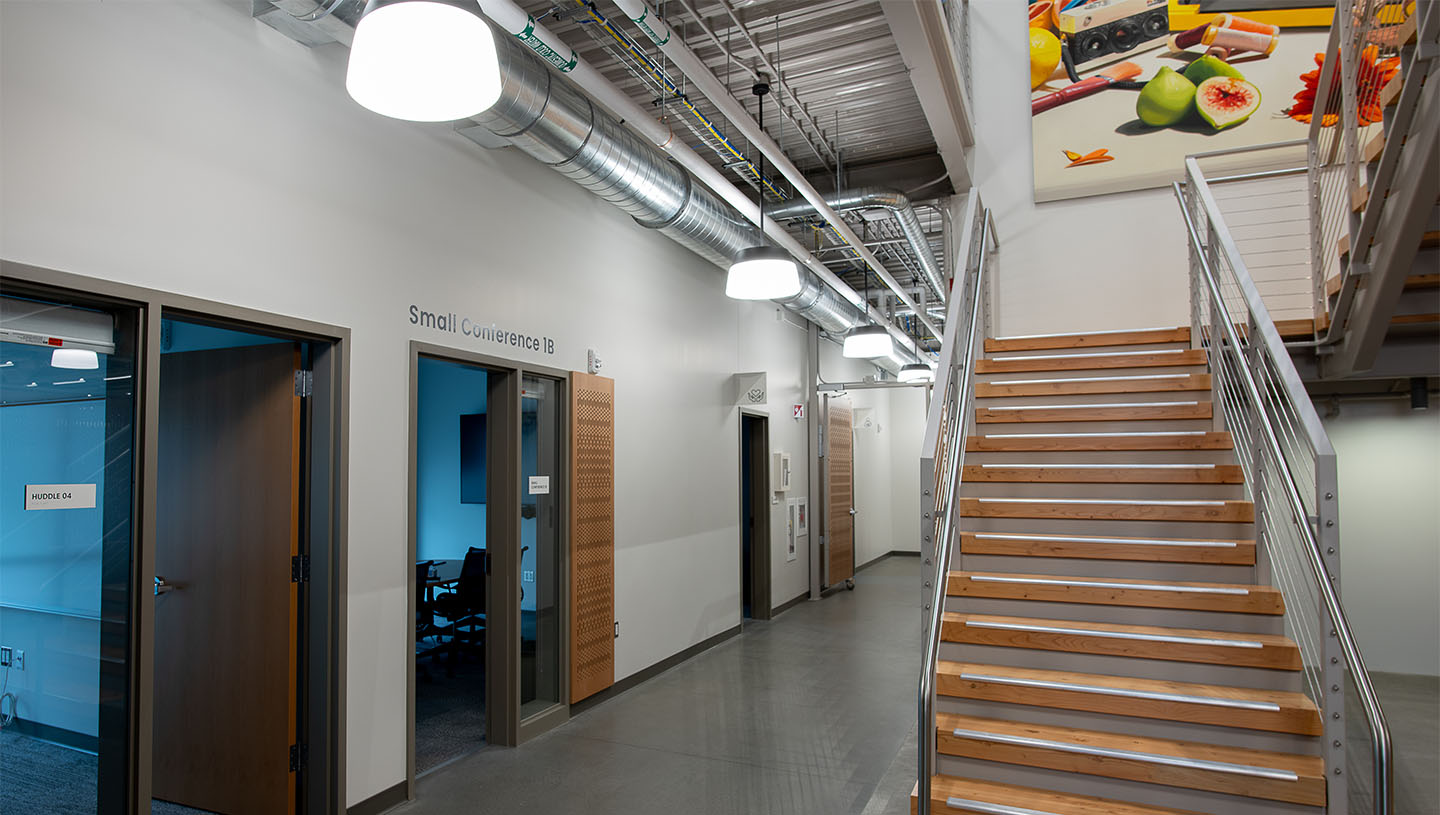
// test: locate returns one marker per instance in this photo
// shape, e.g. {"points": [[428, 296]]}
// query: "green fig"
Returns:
{"points": [[1224, 101], [1166, 99], [1208, 66]]}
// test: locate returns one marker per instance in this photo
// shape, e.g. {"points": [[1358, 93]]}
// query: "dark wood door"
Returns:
{"points": [[839, 492], [228, 525]]}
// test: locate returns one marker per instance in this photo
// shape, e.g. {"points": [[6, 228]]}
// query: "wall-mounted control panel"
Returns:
{"points": [[780, 472]]}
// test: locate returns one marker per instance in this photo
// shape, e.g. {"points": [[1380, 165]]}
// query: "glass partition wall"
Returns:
{"points": [[541, 460], [67, 463]]}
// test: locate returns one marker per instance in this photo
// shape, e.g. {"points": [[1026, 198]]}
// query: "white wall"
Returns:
{"points": [[1110, 261], [1389, 462], [907, 418], [179, 145]]}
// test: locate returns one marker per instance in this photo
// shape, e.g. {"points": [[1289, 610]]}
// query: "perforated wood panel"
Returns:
{"points": [[839, 492], [592, 537]]}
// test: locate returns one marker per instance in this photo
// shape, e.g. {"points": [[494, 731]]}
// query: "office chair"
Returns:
{"points": [[464, 608], [425, 627]]}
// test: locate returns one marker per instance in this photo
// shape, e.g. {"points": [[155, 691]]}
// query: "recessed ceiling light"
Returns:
{"points": [[7, 364], [70, 382], [33, 385]]}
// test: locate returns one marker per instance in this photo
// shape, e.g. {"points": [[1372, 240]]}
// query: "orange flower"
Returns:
{"points": [[1372, 77]]}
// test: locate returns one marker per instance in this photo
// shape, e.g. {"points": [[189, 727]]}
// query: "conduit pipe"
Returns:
{"points": [[893, 201], [719, 95], [823, 300]]}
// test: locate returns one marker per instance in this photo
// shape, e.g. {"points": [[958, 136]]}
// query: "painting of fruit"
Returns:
{"points": [[1187, 83]]}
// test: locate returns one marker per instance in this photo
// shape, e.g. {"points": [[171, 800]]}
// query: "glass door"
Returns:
{"points": [[541, 520], [67, 438]]}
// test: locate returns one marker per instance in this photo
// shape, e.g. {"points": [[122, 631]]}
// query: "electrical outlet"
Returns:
{"points": [[18, 660], [5, 656], [528, 576]]}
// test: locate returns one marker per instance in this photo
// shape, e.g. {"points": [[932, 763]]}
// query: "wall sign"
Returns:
{"points": [[59, 496], [797, 411], [539, 485], [453, 323]]}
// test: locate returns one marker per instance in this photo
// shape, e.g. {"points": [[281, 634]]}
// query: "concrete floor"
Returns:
{"points": [[812, 712]]}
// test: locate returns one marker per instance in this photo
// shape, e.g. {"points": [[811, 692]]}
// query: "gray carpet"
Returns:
{"points": [[449, 711], [40, 778]]}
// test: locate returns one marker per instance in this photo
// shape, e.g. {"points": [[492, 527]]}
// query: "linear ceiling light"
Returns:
{"points": [[762, 272], [423, 60]]}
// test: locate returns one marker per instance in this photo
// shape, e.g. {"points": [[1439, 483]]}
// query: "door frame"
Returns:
{"points": [[324, 663], [760, 545], [504, 727]]}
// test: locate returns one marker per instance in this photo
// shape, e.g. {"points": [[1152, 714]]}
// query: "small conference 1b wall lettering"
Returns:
{"points": [[450, 322]]}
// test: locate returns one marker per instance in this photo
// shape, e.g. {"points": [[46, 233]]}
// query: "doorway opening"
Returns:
{"points": [[233, 572], [455, 435], [755, 514]]}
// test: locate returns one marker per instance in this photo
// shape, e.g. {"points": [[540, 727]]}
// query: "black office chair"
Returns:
{"points": [[464, 608], [425, 627]]}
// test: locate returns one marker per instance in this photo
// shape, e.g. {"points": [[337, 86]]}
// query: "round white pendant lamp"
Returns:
{"points": [[868, 342], [915, 372], [762, 272], [423, 60]]}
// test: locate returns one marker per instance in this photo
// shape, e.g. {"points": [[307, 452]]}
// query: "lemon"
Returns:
{"points": [[1044, 55]]}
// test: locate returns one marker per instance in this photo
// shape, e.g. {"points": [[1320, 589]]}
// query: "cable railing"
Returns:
{"points": [[946, 429], [1290, 471]]}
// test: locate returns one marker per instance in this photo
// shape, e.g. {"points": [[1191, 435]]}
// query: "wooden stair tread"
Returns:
{"points": [[1119, 412], [1054, 473], [1412, 283], [944, 788], [1091, 547], [1373, 148], [1220, 705], [1096, 442], [1092, 361], [1245, 771], [1291, 329], [1108, 591], [1133, 641], [1115, 509], [1099, 339], [1156, 383]]}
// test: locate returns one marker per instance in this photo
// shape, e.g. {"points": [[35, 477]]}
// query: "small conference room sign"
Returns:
{"points": [[59, 496]]}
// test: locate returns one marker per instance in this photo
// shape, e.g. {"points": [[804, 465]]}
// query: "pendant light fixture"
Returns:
{"points": [[915, 372], [423, 60], [762, 272], [868, 341]]}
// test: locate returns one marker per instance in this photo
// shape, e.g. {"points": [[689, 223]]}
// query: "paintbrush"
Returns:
{"points": [[1115, 73]]}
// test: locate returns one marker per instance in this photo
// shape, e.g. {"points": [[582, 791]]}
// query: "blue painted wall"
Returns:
{"points": [[444, 527]]}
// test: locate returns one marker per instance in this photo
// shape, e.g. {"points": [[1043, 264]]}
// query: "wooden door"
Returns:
{"points": [[228, 526], [839, 492], [592, 535]]}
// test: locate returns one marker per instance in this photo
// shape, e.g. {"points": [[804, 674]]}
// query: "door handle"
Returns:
{"points": [[162, 586], [852, 510]]}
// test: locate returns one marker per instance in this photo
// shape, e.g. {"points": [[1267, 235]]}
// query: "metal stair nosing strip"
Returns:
{"points": [[1117, 635], [1129, 755], [1109, 584], [1129, 693], [1122, 541], [955, 802]]}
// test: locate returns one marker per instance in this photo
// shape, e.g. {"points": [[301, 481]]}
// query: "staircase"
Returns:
{"points": [[1107, 644]]}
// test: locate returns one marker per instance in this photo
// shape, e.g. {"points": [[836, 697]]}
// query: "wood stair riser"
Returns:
{"points": [[1039, 550], [1182, 360], [944, 789], [1038, 388], [1275, 652], [1166, 336], [1121, 719], [1117, 492], [1035, 441], [1146, 412], [1139, 529], [1211, 512], [1308, 788], [1067, 473], [1119, 569], [1119, 789], [1292, 714], [1232, 622], [1135, 666], [1088, 590]]}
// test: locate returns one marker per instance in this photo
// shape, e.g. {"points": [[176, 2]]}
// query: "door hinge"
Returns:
{"points": [[304, 383], [820, 441], [294, 758], [300, 569]]}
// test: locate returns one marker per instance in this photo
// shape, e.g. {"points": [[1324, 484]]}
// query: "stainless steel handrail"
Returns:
{"points": [[1375, 716], [962, 374]]}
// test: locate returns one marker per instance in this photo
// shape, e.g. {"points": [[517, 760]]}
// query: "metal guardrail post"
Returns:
{"points": [[1332, 667]]}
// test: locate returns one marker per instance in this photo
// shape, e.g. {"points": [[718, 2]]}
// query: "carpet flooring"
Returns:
{"points": [[449, 711]]}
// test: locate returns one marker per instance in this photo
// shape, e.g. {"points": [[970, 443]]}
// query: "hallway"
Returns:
{"points": [[813, 712]]}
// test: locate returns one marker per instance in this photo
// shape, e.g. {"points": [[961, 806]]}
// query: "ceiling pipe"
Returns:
{"points": [[828, 296], [899, 207], [719, 95]]}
